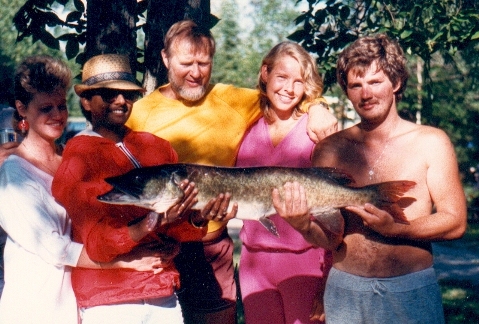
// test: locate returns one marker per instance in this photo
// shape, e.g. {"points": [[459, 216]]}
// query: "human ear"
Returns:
{"points": [[264, 73], [396, 87], [85, 103], [164, 57], [21, 108]]}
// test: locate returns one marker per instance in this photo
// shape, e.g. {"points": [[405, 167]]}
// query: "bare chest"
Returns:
{"points": [[377, 257]]}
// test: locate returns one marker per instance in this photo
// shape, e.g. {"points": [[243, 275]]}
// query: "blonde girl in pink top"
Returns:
{"points": [[282, 279]]}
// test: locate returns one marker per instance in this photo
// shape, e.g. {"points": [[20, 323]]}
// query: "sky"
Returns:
{"points": [[243, 5]]}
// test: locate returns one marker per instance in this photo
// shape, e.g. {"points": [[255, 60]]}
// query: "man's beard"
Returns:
{"points": [[185, 93]]}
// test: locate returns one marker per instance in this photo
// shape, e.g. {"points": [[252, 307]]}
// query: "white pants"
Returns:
{"points": [[162, 310]]}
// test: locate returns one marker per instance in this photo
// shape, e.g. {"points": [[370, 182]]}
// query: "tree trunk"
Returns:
{"points": [[111, 29]]}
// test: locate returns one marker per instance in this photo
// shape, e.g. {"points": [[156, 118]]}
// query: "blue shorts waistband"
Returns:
{"points": [[402, 283]]}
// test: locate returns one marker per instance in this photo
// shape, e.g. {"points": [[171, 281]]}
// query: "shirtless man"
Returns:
{"points": [[382, 270]]}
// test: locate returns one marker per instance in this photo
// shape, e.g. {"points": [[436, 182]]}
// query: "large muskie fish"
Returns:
{"points": [[327, 189]]}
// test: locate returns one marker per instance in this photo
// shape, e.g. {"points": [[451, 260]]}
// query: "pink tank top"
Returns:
{"points": [[258, 150]]}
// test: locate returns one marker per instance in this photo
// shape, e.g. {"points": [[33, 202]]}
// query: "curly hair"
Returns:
{"points": [[361, 54], [40, 74], [313, 84]]}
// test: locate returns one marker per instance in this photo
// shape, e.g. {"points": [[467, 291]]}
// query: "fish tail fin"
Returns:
{"points": [[390, 197], [396, 211]]}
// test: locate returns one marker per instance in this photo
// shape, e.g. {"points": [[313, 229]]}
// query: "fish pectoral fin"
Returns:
{"points": [[162, 205], [330, 218], [269, 225]]}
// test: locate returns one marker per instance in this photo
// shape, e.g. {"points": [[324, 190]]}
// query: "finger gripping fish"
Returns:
{"points": [[327, 190]]}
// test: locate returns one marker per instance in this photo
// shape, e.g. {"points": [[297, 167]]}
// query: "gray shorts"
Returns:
{"points": [[411, 298]]}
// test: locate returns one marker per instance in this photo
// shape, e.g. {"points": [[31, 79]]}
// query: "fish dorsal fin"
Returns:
{"points": [[337, 175]]}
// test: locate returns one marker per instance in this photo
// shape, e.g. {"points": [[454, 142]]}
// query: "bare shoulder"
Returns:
{"points": [[430, 139], [332, 149]]}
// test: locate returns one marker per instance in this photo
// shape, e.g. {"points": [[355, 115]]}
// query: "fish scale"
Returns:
{"points": [[327, 190]]}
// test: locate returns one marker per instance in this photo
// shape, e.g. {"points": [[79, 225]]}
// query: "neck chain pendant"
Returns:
{"points": [[371, 173]]}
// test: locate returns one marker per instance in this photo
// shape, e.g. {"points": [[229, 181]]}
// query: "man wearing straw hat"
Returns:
{"points": [[107, 93]]}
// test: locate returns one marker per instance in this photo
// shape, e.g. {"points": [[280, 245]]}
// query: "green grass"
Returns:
{"points": [[460, 299]]}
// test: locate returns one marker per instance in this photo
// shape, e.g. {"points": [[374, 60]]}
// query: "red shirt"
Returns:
{"points": [[103, 228]]}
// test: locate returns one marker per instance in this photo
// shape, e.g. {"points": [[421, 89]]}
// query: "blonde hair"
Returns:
{"points": [[313, 84]]}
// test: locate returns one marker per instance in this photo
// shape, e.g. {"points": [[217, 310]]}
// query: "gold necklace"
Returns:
{"points": [[371, 168]]}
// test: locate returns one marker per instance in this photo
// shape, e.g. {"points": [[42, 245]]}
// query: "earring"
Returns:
{"points": [[23, 126]]}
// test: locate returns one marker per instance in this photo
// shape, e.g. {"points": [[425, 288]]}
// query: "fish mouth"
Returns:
{"points": [[116, 196]]}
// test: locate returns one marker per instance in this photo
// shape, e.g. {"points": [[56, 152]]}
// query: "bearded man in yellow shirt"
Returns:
{"points": [[205, 124]]}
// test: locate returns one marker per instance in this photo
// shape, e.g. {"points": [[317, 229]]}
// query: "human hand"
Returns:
{"points": [[217, 209], [376, 219], [321, 123], [317, 310], [142, 226], [164, 246], [147, 263], [182, 205], [155, 257], [6, 149], [293, 207]]}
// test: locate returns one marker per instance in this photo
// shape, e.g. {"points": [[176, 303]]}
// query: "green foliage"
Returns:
{"points": [[241, 49], [455, 105], [37, 19], [460, 302], [54, 22], [13, 51], [230, 53], [422, 27]]}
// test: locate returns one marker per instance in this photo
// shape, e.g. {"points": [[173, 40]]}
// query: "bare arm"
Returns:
{"points": [[449, 220], [140, 259], [321, 123]]}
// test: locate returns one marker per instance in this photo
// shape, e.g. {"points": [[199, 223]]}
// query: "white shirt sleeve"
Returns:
{"points": [[31, 216]]}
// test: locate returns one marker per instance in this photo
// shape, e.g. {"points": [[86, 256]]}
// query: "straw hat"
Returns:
{"points": [[107, 71]]}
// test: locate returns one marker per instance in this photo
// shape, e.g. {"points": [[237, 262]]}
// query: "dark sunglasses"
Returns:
{"points": [[109, 95]]}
